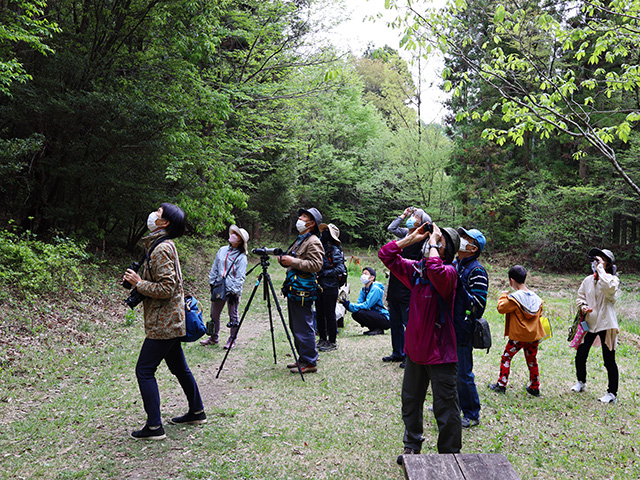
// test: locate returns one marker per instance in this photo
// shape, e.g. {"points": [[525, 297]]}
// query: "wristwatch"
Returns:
{"points": [[437, 245]]}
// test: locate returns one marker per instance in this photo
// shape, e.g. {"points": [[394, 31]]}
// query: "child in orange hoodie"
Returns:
{"points": [[522, 310]]}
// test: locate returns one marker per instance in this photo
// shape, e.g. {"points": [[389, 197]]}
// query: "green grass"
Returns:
{"points": [[69, 398]]}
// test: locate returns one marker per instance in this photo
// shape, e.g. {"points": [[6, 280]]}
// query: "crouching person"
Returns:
{"points": [[430, 339], [369, 311]]}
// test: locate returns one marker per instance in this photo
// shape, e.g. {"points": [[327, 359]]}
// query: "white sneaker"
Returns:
{"points": [[579, 387], [608, 398]]}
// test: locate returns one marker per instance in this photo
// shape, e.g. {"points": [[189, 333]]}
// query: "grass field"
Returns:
{"points": [[69, 398]]}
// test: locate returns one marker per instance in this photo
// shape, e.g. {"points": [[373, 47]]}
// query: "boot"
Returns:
{"points": [[231, 343], [209, 341]]}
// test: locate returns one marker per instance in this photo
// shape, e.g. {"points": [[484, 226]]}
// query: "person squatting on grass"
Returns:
{"points": [[430, 339], [164, 321], [328, 279], [230, 267], [398, 295], [596, 300], [471, 300], [522, 310], [304, 260], [369, 310]]}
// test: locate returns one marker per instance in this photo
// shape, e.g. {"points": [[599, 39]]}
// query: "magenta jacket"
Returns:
{"points": [[424, 342]]}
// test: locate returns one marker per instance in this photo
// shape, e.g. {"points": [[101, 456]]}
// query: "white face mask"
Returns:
{"points": [[463, 245], [301, 226], [151, 221], [364, 278]]}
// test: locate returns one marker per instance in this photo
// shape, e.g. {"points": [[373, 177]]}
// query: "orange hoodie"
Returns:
{"points": [[521, 324]]}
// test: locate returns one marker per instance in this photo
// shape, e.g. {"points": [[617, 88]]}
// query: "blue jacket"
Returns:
{"points": [[235, 271], [370, 299]]}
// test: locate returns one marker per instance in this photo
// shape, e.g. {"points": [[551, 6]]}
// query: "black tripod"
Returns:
{"points": [[268, 292]]}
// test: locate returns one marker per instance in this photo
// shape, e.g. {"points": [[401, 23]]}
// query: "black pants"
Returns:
{"points": [[443, 379], [326, 314], [371, 319], [609, 357]]}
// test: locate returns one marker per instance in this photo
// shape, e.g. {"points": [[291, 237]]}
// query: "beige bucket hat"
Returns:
{"points": [[333, 231], [243, 234]]}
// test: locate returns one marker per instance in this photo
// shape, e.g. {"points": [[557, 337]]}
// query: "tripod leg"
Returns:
{"points": [[284, 324], [273, 339], [244, 314]]}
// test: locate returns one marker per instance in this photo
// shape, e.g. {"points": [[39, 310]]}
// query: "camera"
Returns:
{"points": [[134, 299], [135, 266], [427, 227], [267, 251]]}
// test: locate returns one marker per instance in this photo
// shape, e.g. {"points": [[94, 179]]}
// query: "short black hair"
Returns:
{"points": [[518, 273], [177, 220], [371, 271]]}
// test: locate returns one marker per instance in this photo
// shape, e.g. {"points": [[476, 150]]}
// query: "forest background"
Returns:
{"points": [[241, 111]]}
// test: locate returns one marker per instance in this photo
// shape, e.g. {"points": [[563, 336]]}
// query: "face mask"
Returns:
{"points": [[301, 226], [594, 266], [364, 278], [325, 236], [411, 222], [463, 245], [151, 221], [233, 238]]}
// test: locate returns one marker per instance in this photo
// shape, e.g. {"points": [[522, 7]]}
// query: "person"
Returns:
{"points": [[333, 268], [230, 267], [596, 300], [430, 339], [369, 311], [471, 300], [397, 294], [522, 310], [303, 260], [164, 321]]}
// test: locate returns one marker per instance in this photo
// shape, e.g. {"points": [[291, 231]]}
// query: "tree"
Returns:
{"points": [[544, 86]]}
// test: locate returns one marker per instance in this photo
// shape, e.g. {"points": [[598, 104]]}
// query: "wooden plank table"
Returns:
{"points": [[458, 466]]}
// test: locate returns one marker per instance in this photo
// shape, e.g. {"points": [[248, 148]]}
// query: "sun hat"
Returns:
{"points": [[608, 254], [333, 231], [243, 234], [314, 213]]}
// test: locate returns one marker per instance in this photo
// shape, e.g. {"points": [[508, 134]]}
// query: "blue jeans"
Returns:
{"points": [[304, 335], [151, 355], [467, 391], [398, 318]]}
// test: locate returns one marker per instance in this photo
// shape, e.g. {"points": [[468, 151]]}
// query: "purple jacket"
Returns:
{"points": [[425, 342]]}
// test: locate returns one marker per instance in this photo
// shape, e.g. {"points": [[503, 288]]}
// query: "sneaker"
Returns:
{"points": [[377, 331], [608, 398], [579, 387], [149, 433], [469, 422], [321, 343], [328, 347], [407, 451], [190, 419], [497, 388], [392, 358], [209, 341], [533, 391], [305, 367]]}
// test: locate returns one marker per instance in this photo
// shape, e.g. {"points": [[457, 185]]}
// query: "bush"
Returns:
{"points": [[34, 266]]}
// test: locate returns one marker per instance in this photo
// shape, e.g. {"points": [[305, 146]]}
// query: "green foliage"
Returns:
{"points": [[34, 266]]}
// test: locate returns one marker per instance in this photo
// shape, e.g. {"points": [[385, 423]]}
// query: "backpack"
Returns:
{"points": [[300, 287], [482, 335], [193, 318], [464, 325]]}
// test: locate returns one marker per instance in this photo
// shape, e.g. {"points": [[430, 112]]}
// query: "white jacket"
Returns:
{"points": [[600, 296]]}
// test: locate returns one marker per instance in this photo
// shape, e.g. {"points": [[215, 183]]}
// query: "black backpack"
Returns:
{"points": [[482, 335]]}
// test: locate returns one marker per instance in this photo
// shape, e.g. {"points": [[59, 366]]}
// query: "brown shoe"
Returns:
{"points": [[306, 368], [209, 341], [291, 365]]}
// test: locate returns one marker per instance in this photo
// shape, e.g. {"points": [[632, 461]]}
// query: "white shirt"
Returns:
{"points": [[600, 296]]}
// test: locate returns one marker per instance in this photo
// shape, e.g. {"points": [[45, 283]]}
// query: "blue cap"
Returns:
{"points": [[476, 235]]}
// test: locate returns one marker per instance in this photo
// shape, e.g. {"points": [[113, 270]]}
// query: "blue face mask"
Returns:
{"points": [[411, 222]]}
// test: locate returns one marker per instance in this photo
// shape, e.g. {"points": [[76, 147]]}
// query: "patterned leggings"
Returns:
{"points": [[530, 352]]}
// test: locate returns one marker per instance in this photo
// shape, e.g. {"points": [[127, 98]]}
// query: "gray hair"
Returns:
{"points": [[422, 215]]}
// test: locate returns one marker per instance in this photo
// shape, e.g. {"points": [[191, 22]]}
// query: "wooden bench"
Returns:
{"points": [[459, 466]]}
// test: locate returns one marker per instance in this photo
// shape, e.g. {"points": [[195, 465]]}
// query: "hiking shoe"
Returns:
{"points": [[190, 419], [209, 341], [291, 365], [497, 388], [469, 422], [229, 345], [149, 433], [377, 331], [321, 343], [608, 398], [392, 358], [579, 387], [534, 392], [305, 367], [407, 451], [328, 347]]}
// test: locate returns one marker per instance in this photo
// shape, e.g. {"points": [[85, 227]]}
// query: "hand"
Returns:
{"points": [[435, 236], [407, 211], [346, 304], [132, 277], [600, 260], [285, 260], [586, 309]]}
